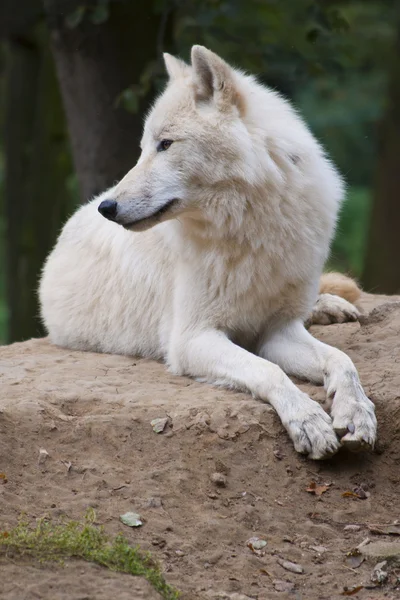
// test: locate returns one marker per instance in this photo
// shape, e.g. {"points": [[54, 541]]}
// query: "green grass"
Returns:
{"points": [[82, 539]]}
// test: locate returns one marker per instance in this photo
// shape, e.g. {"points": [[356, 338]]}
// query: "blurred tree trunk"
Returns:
{"points": [[382, 271], [106, 55], [37, 165]]}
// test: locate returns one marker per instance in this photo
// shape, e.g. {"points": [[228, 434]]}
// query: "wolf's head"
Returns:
{"points": [[196, 148]]}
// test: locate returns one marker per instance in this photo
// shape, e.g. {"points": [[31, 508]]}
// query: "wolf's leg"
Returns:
{"points": [[212, 356], [299, 354], [330, 308]]}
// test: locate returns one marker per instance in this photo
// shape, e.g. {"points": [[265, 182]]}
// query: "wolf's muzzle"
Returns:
{"points": [[109, 209]]}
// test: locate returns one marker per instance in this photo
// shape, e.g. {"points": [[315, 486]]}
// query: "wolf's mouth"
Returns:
{"points": [[154, 217]]}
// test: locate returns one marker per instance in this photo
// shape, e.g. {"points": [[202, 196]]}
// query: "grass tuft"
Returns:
{"points": [[82, 539]]}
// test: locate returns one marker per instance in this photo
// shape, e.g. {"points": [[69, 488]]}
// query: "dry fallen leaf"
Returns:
{"points": [[351, 495], [317, 489], [131, 519], [354, 559], [160, 424], [385, 529], [3, 478], [365, 542], [256, 545], [351, 591]]}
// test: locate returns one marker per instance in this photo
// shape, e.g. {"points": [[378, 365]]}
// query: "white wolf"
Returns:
{"points": [[238, 203]]}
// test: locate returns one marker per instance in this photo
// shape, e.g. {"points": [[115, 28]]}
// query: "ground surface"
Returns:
{"points": [[92, 413], [75, 580]]}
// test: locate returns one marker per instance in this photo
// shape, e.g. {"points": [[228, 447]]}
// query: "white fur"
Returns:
{"points": [[231, 269], [330, 308]]}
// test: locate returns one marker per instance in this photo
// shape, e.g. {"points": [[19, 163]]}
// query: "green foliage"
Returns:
{"points": [[74, 18], [82, 539], [96, 12], [342, 112], [330, 57], [349, 246], [130, 98], [100, 12]]}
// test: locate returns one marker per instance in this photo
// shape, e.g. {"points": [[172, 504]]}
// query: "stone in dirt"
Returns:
{"points": [[379, 573], [159, 425], [219, 479], [283, 586], [389, 551], [153, 502], [131, 519], [43, 456], [291, 566], [319, 549], [256, 544], [352, 528]]}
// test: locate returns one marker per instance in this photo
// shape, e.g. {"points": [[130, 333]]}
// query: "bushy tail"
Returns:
{"points": [[340, 285]]}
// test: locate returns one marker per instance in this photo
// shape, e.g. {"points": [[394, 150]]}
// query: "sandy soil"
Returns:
{"points": [[94, 411], [77, 580]]}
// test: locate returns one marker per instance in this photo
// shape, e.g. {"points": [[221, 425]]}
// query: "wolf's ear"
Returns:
{"points": [[214, 80], [175, 66]]}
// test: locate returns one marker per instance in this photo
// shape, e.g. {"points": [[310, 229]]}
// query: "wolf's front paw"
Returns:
{"points": [[354, 420], [330, 309], [312, 432]]}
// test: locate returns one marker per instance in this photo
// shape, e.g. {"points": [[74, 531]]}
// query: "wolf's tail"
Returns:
{"points": [[340, 285]]}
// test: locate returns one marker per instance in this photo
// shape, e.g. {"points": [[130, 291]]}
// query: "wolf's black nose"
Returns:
{"points": [[109, 209]]}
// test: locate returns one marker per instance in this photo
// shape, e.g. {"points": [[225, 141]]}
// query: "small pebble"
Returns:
{"points": [[159, 541], [319, 549], [159, 425], [131, 519], [283, 586], [290, 566], [43, 456], [213, 558], [256, 543], [219, 479], [154, 503], [352, 528], [379, 573]]}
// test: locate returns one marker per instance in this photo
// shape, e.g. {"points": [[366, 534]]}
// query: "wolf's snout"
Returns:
{"points": [[109, 209]]}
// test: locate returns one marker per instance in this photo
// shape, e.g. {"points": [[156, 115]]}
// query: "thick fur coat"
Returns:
{"points": [[211, 253]]}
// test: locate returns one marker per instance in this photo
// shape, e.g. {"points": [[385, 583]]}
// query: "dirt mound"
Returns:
{"points": [[92, 414], [77, 580]]}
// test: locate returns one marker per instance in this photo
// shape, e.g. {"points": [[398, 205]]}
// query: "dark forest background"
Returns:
{"points": [[76, 77]]}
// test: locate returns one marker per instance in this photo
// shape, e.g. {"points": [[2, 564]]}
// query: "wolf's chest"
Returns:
{"points": [[245, 298]]}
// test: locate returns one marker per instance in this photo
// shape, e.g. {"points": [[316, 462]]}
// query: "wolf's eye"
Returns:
{"points": [[164, 145]]}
